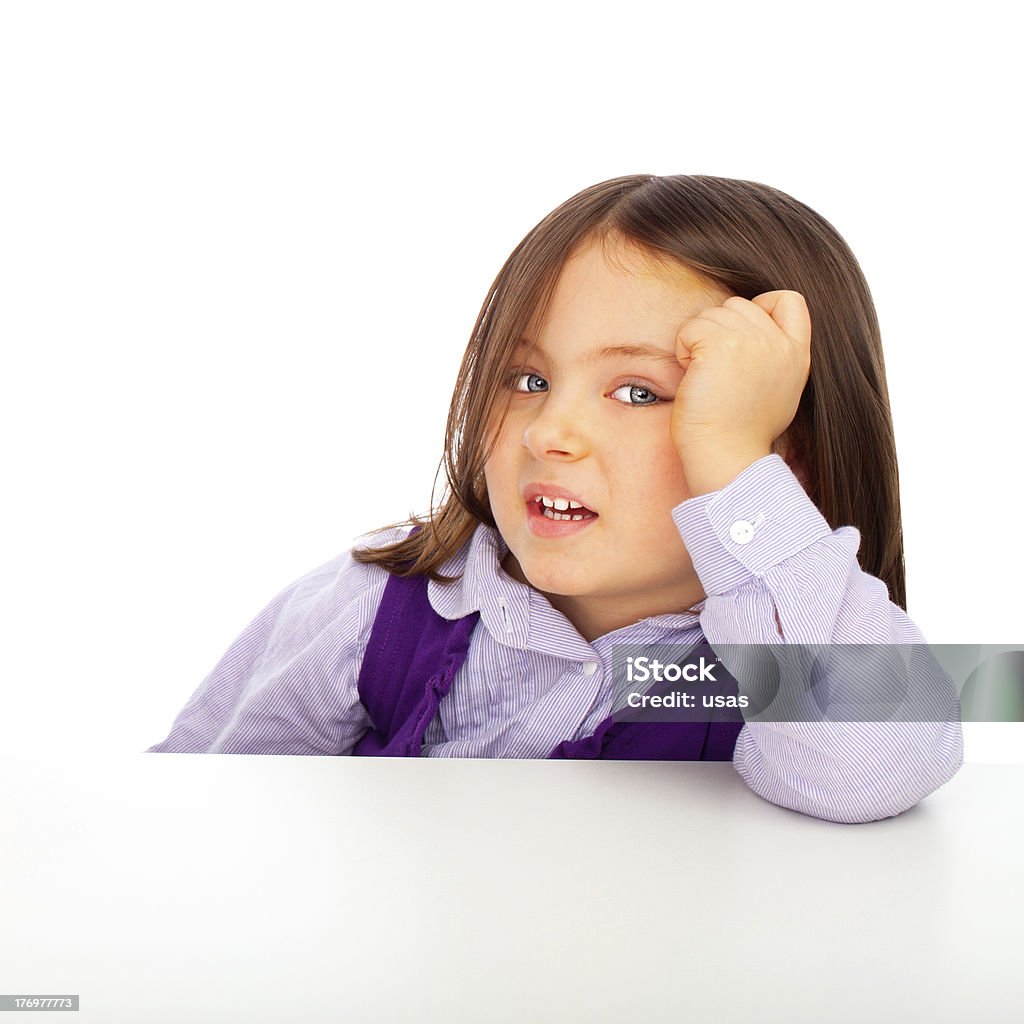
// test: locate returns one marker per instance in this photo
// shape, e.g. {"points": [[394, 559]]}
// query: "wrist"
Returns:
{"points": [[713, 468]]}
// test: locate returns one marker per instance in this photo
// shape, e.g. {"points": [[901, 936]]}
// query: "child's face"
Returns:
{"points": [[577, 425]]}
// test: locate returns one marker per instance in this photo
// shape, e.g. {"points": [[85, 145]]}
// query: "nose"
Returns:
{"points": [[558, 430]]}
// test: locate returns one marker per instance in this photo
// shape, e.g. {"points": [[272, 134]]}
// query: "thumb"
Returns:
{"points": [[789, 310]]}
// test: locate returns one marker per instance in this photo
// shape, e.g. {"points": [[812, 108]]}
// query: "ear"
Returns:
{"points": [[785, 447]]}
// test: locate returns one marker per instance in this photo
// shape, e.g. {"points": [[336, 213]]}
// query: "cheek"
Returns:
{"points": [[502, 436], [656, 480], [674, 482], [498, 469], [492, 475]]}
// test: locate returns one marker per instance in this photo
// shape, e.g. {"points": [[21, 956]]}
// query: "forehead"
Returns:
{"points": [[610, 286]]}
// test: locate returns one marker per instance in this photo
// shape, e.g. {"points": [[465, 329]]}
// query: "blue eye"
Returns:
{"points": [[637, 394], [534, 382]]}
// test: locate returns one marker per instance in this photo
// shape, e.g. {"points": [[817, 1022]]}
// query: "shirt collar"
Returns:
{"points": [[483, 586]]}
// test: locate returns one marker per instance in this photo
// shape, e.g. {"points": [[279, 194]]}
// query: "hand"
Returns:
{"points": [[746, 363]]}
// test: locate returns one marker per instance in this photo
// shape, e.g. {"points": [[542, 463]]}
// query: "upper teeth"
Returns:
{"points": [[559, 503]]}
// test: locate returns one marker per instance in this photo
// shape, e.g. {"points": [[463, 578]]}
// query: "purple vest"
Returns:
{"points": [[413, 655]]}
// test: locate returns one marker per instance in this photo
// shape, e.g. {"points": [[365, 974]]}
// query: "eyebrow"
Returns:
{"points": [[652, 352]]}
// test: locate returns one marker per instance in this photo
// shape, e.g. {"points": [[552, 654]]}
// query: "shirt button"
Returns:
{"points": [[589, 668], [741, 531]]}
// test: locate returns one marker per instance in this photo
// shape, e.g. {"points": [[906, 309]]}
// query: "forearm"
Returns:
{"points": [[796, 582]]}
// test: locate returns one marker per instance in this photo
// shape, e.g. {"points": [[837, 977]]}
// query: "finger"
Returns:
{"points": [[717, 317], [730, 317], [716, 324], [693, 333], [789, 310], [751, 312]]}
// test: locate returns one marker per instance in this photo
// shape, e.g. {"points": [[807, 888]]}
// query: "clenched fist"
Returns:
{"points": [[746, 363]]}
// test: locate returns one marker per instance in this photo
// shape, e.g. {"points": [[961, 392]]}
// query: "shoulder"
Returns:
{"points": [[334, 605], [345, 579]]}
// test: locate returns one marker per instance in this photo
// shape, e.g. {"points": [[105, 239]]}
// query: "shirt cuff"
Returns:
{"points": [[752, 524]]}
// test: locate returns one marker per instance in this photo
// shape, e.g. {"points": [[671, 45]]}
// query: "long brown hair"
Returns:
{"points": [[747, 238]]}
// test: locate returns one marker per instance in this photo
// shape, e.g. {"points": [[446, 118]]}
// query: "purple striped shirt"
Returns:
{"points": [[287, 685]]}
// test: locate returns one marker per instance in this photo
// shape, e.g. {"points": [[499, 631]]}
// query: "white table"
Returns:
{"points": [[225, 888]]}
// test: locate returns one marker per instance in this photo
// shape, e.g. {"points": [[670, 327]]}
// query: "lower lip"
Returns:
{"points": [[541, 526]]}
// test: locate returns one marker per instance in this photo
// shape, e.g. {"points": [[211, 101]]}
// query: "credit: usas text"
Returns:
{"points": [[647, 670]]}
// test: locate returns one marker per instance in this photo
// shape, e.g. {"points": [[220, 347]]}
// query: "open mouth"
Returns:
{"points": [[572, 511]]}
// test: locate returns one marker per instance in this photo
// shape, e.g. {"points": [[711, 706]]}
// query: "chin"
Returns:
{"points": [[565, 584]]}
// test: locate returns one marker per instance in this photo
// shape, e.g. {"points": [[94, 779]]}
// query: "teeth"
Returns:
{"points": [[553, 508], [551, 514], [560, 503]]}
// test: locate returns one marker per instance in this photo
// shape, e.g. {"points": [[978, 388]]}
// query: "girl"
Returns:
{"points": [[644, 447]]}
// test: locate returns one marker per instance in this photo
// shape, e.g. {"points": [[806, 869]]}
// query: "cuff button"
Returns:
{"points": [[741, 531]]}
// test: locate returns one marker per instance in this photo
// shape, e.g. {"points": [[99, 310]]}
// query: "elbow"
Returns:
{"points": [[852, 772]]}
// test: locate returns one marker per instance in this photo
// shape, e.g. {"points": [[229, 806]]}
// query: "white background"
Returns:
{"points": [[243, 245]]}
